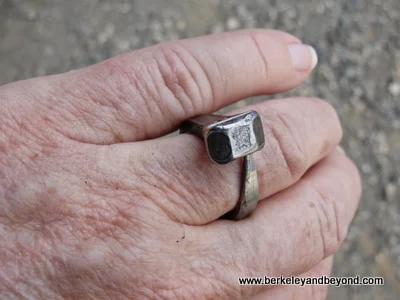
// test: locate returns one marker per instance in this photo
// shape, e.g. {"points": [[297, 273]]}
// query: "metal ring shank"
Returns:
{"points": [[249, 194]]}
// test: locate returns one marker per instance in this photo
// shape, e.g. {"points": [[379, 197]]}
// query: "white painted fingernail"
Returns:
{"points": [[304, 57], [341, 150]]}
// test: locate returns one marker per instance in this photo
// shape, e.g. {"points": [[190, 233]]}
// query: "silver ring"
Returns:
{"points": [[228, 138]]}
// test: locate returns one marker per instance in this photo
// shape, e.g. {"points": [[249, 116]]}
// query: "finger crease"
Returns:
{"points": [[294, 173], [262, 56]]}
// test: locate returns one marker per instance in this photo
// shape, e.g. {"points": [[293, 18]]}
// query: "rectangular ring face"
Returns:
{"points": [[235, 137]]}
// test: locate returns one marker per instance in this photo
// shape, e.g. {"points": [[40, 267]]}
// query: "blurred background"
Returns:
{"points": [[358, 42]]}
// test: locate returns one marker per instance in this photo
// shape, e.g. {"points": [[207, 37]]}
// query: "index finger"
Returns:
{"points": [[147, 93]]}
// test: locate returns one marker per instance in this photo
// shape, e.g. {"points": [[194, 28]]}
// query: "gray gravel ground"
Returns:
{"points": [[358, 42]]}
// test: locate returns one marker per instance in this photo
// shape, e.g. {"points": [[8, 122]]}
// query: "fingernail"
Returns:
{"points": [[304, 57], [341, 150]]}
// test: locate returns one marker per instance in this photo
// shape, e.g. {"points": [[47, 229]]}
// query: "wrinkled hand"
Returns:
{"points": [[92, 206]]}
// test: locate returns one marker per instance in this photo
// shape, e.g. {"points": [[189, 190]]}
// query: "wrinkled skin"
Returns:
{"points": [[92, 206]]}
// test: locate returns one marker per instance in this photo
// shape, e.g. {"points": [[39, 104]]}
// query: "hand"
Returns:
{"points": [[92, 206]]}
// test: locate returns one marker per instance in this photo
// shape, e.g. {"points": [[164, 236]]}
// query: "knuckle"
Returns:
{"points": [[326, 109], [325, 106], [164, 73], [99, 94], [180, 75], [287, 138]]}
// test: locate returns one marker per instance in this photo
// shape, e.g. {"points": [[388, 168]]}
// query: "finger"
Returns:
{"points": [[291, 292], [147, 93], [292, 231], [193, 190]]}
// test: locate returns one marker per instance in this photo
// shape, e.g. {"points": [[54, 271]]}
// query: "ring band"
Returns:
{"points": [[230, 138]]}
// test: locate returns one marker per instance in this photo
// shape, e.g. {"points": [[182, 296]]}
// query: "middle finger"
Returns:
{"points": [[179, 177]]}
